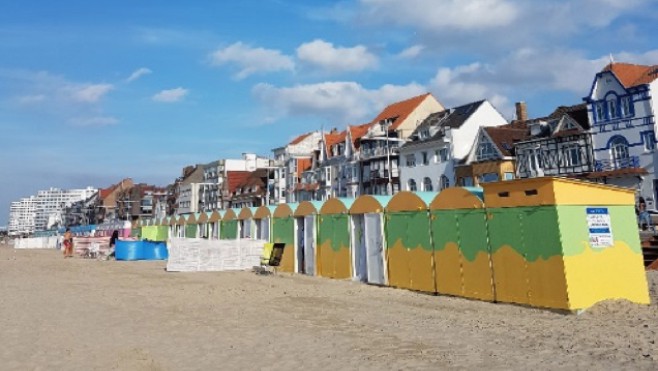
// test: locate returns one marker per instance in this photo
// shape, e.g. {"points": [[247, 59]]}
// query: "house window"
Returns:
{"points": [[467, 181], [535, 159], [411, 185], [600, 112], [444, 182], [441, 155], [486, 151], [426, 159], [508, 176], [626, 106], [427, 185], [571, 155], [619, 152], [649, 141], [488, 177], [411, 160], [612, 108]]}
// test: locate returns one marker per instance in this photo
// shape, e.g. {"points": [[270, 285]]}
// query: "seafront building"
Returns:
{"points": [[40, 212]]}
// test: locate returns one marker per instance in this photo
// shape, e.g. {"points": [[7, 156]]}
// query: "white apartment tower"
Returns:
{"points": [[31, 214]]}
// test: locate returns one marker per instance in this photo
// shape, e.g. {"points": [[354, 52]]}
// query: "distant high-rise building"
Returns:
{"points": [[33, 213]]}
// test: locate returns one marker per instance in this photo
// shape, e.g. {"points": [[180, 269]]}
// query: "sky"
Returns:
{"points": [[92, 92]]}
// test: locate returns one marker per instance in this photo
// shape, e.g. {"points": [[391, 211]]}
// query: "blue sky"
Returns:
{"points": [[95, 91]]}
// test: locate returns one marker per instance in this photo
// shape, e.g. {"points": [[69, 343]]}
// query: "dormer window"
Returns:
{"points": [[626, 106], [612, 108], [600, 111], [486, 151]]}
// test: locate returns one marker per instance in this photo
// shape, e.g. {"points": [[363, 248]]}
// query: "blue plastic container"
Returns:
{"points": [[129, 250], [154, 250]]}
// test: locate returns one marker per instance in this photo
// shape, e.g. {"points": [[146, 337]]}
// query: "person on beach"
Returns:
{"points": [[68, 244], [643, 216], [113, 242]]}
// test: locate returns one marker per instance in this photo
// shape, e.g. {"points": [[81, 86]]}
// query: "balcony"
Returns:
{"points": [[367, 153], [382, 174], [623, 163]]}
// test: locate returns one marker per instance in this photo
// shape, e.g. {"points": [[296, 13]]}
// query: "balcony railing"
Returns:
{"points": [[378, 151], [381, 173], [616, 164]]}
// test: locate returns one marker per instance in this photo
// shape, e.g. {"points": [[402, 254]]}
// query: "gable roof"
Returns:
{"points": [[505, 137], [452, 118], [303, 164], [235, 178], [577, 112], [357, 132], [458, 115], [105, 192], [399, 111], [299, 139], [632, 74], [254, 178], [331, 139]]}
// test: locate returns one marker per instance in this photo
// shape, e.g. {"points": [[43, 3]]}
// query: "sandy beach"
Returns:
{"points": [[81, 314]]}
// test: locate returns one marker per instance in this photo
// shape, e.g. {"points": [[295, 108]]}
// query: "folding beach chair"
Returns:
{"points": [[271, 258]]}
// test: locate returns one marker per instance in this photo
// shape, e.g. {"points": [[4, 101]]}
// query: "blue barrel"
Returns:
{"points": [[160, 251], [128, 250], [154, 250]]}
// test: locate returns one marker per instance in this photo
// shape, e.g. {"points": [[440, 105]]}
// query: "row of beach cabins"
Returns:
{"points": [[544, 242], [534, 242]]}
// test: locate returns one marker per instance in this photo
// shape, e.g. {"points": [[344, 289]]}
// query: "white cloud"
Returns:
{"points": [[88, 93], [411, 52], [252, 60], [138, 73], [170, 95], [99, 121], [490, 26], [325, 55], [457, 86], [340, 102], [526, 72], [447, 14]]}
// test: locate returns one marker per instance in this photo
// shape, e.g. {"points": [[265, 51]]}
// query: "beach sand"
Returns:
{"points": [[106, 315]]}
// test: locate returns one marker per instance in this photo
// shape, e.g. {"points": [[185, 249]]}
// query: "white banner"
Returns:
{"points": [[201, 255], [36, 243]]}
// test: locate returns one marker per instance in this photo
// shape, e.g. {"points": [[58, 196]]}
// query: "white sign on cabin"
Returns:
{"points": [[600, 228]]}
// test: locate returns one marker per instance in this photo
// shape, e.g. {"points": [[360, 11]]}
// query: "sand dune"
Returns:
{"points": [[85, 314]]}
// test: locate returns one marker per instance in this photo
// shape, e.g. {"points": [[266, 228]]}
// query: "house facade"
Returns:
{"points": [[557, 145], [214, 191], [492, 157], [251, 191], [442, 141], [379, 148], [621, 105], [290, 162]]}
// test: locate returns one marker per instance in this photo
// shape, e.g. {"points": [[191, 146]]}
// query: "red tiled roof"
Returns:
{"points": [[299, 139], [633, 74], [358, 131], [303, 164], [504, 137], [235, 178], [333, 139], [307, 187], [400, 110], [254, 178]]}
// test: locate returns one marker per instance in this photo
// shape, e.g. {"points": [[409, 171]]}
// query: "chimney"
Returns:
{"points": [[521, 111]]}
